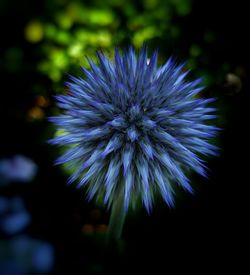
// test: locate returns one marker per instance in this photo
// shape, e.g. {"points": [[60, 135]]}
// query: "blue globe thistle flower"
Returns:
{"points": [[135, 129]]}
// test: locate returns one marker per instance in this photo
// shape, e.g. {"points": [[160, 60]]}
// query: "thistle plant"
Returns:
{"points": [[134, 130]]}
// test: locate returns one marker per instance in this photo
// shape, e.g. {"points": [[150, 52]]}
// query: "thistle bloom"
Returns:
{"points": [[134, 129]]}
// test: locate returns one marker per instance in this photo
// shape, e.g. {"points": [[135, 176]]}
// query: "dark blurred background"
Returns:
{"points": [[49, 228]]}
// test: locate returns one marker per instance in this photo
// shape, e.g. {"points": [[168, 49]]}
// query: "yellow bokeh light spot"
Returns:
{"points": [[34, 32], [36, 113], [102, 228], [88, 229], [41, 101]]}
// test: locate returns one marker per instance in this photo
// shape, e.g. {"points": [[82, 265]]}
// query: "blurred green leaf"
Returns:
{"points": [[100, 17], [143, 35]]}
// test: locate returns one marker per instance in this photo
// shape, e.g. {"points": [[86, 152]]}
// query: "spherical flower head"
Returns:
{"points": [[134, 129]]}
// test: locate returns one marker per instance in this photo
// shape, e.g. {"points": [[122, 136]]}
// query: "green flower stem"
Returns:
{"points": [[117, 219]]}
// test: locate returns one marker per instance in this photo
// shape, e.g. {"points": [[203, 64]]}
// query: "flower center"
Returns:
{"points": [[134, 123]]}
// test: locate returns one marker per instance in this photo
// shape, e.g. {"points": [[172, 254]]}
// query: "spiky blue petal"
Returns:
{"points": [[134, 128]]}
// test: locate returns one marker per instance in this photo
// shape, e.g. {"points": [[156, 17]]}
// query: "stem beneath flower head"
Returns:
{"points": [[116, 221]]}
